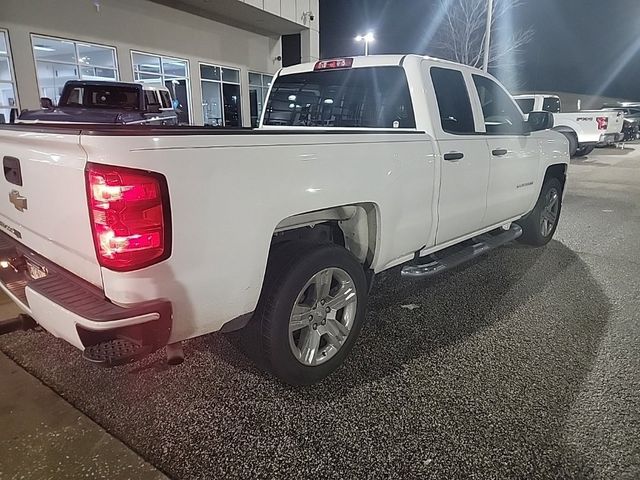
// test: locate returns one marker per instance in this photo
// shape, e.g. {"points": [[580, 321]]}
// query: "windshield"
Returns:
{"points": [[94, 96], [375, 97]]}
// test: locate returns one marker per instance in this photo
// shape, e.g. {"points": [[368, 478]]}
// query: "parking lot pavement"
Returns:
{"points": [[522, 364], [45, 437]]}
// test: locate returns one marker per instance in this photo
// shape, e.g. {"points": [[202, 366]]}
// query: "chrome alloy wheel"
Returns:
{"points": [[322, 316], [549, 215]]}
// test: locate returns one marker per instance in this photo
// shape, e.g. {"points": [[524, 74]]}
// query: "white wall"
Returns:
{"points": [[135, 25]]}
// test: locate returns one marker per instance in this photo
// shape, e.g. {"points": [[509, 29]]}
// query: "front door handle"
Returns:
{"points": [[499, 152], [453, 156]]}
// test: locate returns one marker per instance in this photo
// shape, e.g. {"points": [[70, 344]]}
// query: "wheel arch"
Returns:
{"points": [[354, 226], [557, 170], [566, 131]]}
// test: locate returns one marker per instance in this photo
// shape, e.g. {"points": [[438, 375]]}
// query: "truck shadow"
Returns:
{"points": [[487, 363], [414, 320]]}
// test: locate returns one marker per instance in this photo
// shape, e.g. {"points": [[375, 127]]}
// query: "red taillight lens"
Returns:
{"points": [[603, 123], [129, 216]]}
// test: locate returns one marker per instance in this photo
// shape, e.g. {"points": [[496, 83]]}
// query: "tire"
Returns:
{"points": [[584, 150], [536, 227], [573, 142], [296, 284]]}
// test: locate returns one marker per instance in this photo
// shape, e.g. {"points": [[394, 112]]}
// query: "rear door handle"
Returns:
{"points": [[499, 152], [453, 156]]}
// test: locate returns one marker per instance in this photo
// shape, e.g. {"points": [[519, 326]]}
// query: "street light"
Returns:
{"points": [[487, 36], [367, 39]]}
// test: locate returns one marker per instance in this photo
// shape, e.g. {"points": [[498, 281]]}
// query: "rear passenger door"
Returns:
{"points": [[514, 154], [464, 162]]}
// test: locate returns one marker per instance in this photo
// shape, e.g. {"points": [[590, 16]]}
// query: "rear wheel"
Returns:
{"points": [[311, 310], [584, 150], [539, 226]]}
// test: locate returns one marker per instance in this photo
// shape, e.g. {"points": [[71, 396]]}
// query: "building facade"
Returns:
{"points": [[217, 57]]}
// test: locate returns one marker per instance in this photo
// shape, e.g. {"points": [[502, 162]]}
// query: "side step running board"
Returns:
{"points": [[117, 351], [482, 244]]}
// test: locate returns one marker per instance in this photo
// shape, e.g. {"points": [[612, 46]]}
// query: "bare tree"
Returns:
{"points": [[463, 30]]}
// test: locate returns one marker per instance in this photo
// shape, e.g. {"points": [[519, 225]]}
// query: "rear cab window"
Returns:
{"points": [[526, 104], [551, 104], [456, 114], [102, 97], [166, 99], [151, 99], [365, 97]]}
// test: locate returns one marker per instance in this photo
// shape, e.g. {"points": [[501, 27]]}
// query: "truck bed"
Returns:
{"points": [[151, 131], [229, 190]]}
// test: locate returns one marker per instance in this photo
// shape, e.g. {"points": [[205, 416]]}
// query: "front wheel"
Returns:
{"points": [[311, 310], [539, 226]]}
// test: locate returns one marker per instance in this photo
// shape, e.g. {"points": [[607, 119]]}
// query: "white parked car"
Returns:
{"points": [[585, 130], [122, 240]]}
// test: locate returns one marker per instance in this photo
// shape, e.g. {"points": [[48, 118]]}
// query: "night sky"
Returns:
{"points": [[580, 46]]}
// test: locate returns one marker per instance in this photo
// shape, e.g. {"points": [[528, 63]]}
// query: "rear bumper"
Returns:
{"points": [[609, 138], [73, 309]]}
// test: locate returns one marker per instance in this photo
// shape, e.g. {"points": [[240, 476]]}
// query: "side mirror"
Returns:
{"points": [[153, 108], [46, 103], [540, 121]]}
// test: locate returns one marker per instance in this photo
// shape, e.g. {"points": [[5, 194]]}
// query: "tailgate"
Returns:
{"points": [[616, 122], [43, 202]]}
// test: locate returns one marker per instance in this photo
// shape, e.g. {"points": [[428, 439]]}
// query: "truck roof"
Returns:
{"points": [[533, 95], [377, 61], [108, 83]]}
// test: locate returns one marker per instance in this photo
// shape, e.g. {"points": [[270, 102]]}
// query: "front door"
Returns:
{"points": [[513, 153], [464, 164]]}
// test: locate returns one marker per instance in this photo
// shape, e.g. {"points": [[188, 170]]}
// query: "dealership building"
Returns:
{"points": [[217, 57]]}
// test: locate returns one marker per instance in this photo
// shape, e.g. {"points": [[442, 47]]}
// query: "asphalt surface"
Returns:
{"points": [[522, 364]]}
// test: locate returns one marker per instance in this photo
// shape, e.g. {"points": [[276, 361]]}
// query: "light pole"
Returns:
{"points": [[487, 36], [367, 39]]}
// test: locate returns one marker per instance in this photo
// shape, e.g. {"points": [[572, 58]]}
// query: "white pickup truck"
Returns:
{"points": [[123, 240], [585, 130]]}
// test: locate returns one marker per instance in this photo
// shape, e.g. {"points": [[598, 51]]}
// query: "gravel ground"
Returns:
{"points": [[522, 364]]}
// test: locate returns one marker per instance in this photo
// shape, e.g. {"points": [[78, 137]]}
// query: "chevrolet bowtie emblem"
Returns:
{"points": [[18, 200]]}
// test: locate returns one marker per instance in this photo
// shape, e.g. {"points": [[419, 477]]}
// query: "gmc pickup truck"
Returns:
{"points": [[123, 240], [585, 130]]}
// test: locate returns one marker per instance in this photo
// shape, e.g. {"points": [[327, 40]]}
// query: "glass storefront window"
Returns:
{"points": [[173, 73], [8, 98], [59, 60], [221, 101], [259, 84]]}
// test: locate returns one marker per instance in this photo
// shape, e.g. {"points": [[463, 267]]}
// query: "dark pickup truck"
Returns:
{"points": [[97, 102]]}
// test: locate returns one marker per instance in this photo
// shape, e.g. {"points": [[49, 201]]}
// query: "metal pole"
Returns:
{"points": [[366, 48], [487, 36]]}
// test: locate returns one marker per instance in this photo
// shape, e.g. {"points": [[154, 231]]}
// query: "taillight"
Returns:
{"points": [[603, 123], [130, 218], [334, 64]]}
